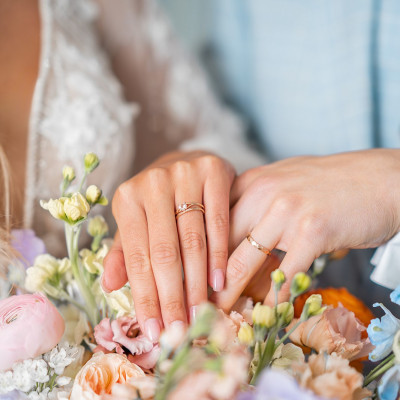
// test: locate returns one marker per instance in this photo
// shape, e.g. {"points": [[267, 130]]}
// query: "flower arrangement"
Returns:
{"points": [[62, 337]]}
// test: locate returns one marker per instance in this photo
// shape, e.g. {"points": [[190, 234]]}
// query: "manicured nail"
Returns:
{"points": [[103, 285], [177, 324], [152, 328], [193, 312], [218, 279]]}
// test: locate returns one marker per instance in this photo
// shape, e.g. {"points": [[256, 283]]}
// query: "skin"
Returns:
{"points": [[154, 251], [308, 206]]}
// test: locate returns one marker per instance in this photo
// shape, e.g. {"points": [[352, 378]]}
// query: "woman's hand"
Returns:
{"points": [[309, 206], [152, 246]]}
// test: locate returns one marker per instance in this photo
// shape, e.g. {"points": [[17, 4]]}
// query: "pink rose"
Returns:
{"points": [[101, 373], [29, 326], [123, 336], [336, 330]]}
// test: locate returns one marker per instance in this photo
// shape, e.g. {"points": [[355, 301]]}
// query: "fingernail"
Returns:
{"points": [[152, 328], [103, 285], [177, 325], [218, 279], [193, 312]]}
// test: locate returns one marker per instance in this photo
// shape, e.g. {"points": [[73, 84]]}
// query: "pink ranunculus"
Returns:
{"points": [[335, 330], [30, 325], [124, 334]]}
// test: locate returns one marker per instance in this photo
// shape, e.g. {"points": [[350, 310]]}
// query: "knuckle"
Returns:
{"points": [[165, 254], [181, 168], [220, 223], [148, 304], [312, 226], [156, 177], [192, 241], [237, 270], [211, 161], [285, 205], [138, 262], [174, 306], [123, 194]]}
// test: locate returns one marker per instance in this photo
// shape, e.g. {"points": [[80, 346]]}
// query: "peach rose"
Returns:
{"points": [[336, 330], [29, 326], [100, 373], [330, 376]]}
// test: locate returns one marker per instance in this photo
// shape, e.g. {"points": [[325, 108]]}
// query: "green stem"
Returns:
{"points": [[296, 325], [380, 369], [72, 236], [83, 181]]}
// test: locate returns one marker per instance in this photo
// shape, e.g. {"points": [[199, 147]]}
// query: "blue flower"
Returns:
{"points": [[381, 333], [389, 385], [395, 296], [274, 384]]}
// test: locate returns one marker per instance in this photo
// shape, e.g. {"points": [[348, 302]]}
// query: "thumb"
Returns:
{"points": [[114, 275]]}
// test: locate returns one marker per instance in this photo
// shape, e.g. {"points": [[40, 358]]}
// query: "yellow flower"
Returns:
{"points": [[286, 310], [97, 226], [246, 334], [76, 207], [263, 315], [278, 277], [91, 162], [313, 305], [68, 173], [93, 193], [301, 282], [55, 207]]}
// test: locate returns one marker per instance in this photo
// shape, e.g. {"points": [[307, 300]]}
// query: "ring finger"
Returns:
{"points": [[192, 239]]}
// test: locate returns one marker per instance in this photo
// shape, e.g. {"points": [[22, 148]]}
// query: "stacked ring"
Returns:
{"points": [[186, 207]]}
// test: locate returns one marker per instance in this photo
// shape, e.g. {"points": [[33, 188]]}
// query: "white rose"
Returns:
{"points": [[76, 207]]}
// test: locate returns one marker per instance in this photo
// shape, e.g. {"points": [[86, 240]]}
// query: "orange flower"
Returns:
{"points": [[334, 296]]}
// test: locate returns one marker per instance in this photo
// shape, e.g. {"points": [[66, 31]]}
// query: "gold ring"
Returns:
{"points": [[186, 207], [257, 245]]}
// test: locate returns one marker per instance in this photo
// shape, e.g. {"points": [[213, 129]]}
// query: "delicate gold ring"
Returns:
{"points": [[257, 245], [186, 207]]}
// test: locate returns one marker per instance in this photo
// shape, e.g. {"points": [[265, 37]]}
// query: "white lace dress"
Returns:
{"points": [[108, 67]]}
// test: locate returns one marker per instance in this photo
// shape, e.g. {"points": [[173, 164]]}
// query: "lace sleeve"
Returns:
{"points": [[178, 108]]}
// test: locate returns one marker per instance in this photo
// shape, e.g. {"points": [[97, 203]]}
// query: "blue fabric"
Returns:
{"points": [[312, 76]]}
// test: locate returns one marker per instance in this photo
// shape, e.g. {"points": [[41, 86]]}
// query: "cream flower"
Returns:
{"points": [[97, 226], [120, 302], [55, 207], [68, 173], [286, 354], [76, 324], [76, 207], [93, 193], [100, 373]]}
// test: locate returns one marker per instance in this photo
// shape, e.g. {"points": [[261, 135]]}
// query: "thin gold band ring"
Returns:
{"points": [[257, 245], [186, 207]]}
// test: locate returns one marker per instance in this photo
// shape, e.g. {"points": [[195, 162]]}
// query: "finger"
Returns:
{"points": [[114, 275], [299, 258], [216, 200], [192, 240], [242, 182], [135, 244], [165, 256], [246, 260]]}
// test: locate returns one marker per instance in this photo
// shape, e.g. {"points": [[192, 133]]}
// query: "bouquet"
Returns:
{"points": [[63, 337]]}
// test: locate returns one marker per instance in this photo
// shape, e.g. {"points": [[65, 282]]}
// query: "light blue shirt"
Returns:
{"points": [[310, 76]]}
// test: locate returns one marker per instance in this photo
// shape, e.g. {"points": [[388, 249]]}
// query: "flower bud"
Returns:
{"points": [[91, 162], [55, 207], [76, 207], [246, 334], [97, 226], [93, 194], [313, 306], [286, 311], [263, 315], [301, 282], [278, 277], [68, 173]]}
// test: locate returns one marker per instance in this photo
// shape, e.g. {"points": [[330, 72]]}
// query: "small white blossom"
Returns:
{"points": [[63, 381], [61, 356], [6, 382], [22, 376], [39, 370]]}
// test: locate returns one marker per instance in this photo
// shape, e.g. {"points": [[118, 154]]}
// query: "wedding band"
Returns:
{"points": [[257, 245], [186, 207]]}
